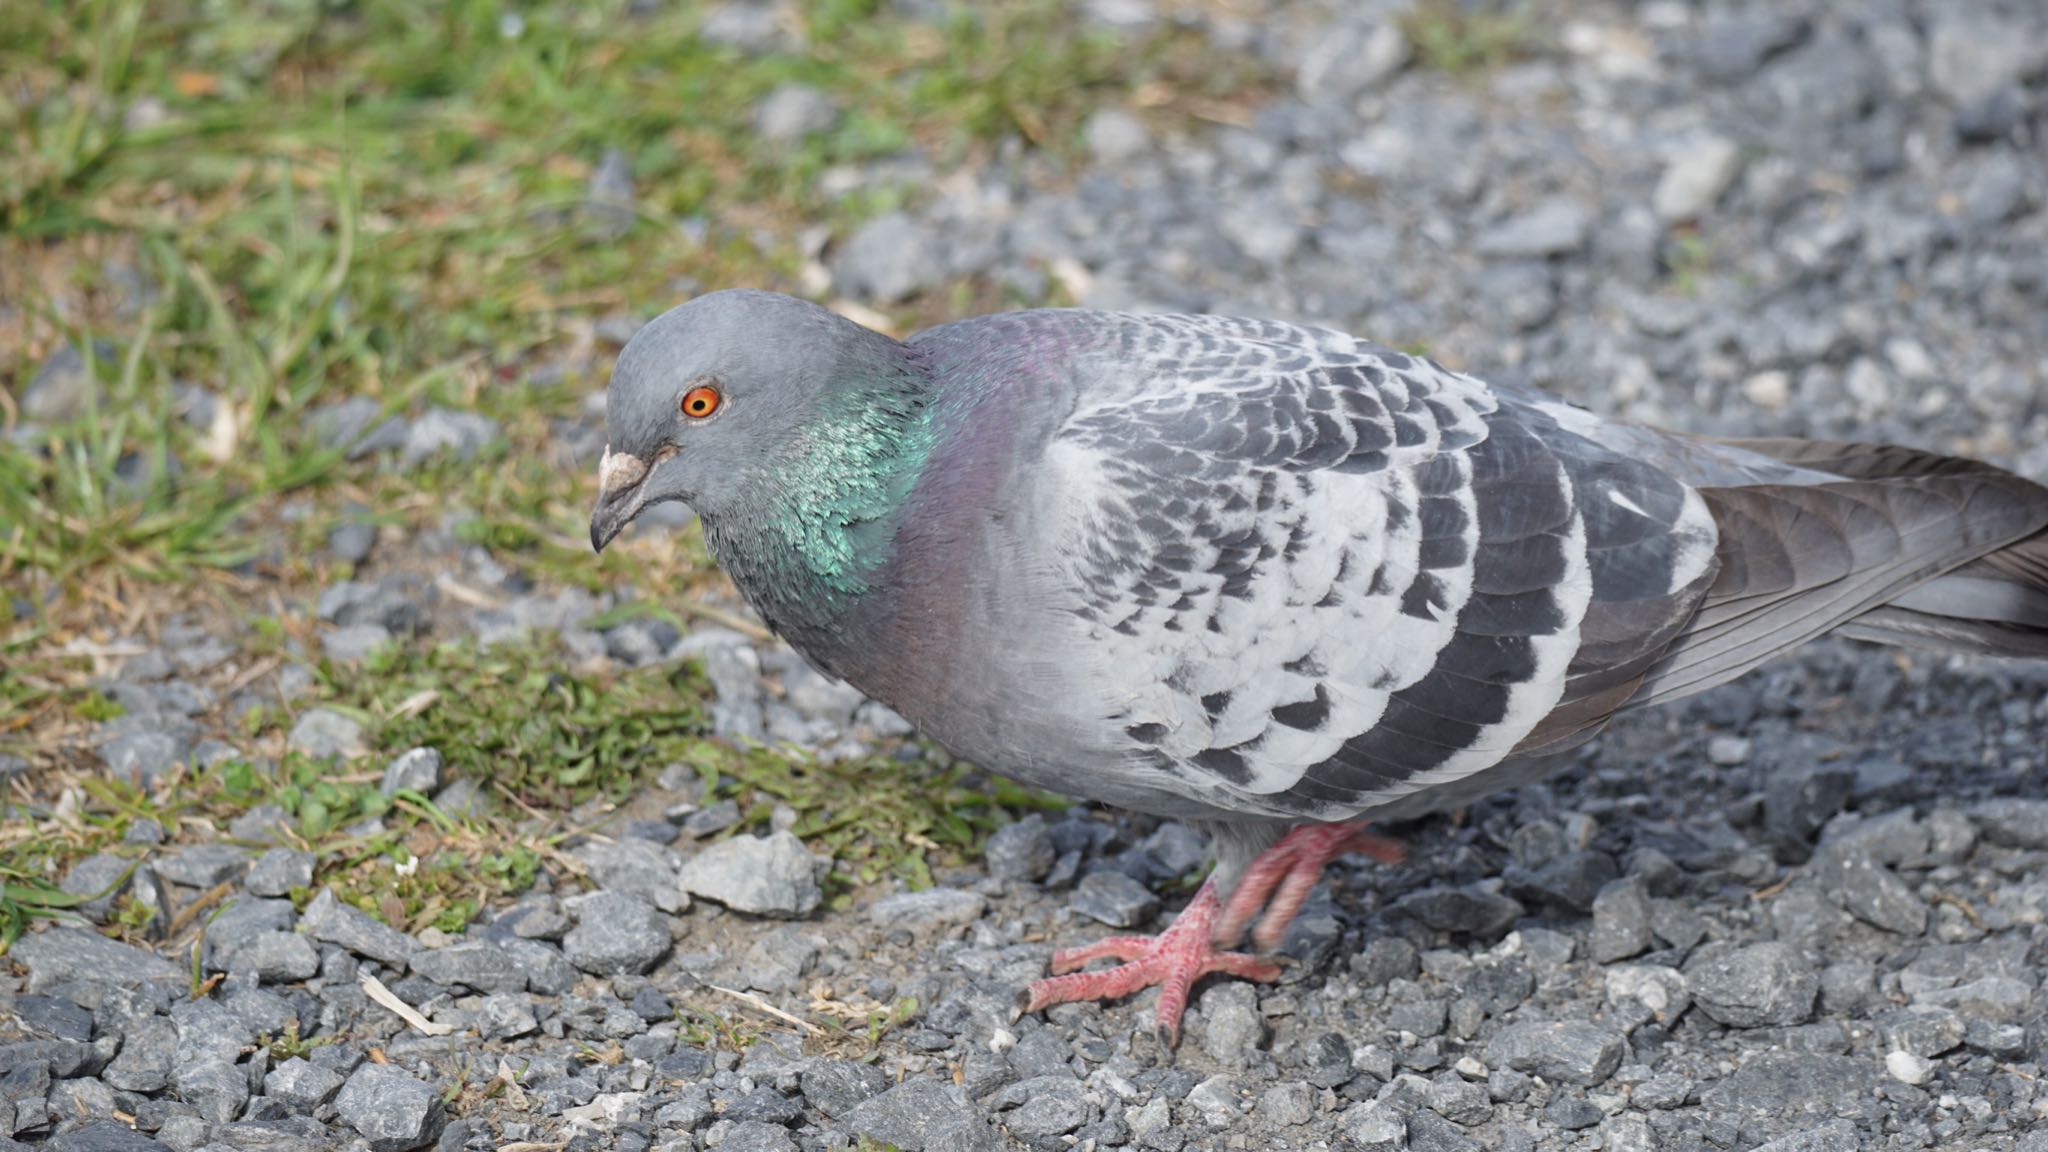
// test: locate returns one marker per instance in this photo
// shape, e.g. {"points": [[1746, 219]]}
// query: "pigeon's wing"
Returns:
{"points": [[1323, 577], [1321, 574]]}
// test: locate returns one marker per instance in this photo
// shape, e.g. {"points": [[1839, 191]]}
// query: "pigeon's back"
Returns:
{"points": [[1250, 568]]}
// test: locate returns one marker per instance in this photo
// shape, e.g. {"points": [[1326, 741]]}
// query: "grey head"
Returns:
{"points": [[707, 401]]}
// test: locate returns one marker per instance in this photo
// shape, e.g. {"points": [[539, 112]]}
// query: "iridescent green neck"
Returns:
{"points": [[835, 501]]}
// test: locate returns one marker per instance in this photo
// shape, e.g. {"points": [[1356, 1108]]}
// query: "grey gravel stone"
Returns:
{"points": [[1115, 899], [638, 868], [1696, 178], [327, 919], [834, 1087], [773, 875], [615, 933], [1753, 986], [1114, 136], [1621, 921], [1553, 227], [1232, 1029], [1786, 1083], [101, 876], [477, 964], [1020, 851], [64, 955], [756, 1136], [301, 1084], [323, 734], [444, 431], [203, 865], [932, 914], [417, 770], [391, 1108], [351, 541], [889, 259], [1372, 1128], [1288, 1104], [1563, 1052], [1474, 910], [2013, 822], [278, 871], [148, 1053], [103, 1136], [791, 112], [65, 387], [275, 957], [1872, 893], [921, 1116]]}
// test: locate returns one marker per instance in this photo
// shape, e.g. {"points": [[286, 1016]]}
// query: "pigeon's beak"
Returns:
{"points": [[620, 476]]}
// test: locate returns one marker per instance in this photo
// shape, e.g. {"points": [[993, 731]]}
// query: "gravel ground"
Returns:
{"points": [[1802, 913]]}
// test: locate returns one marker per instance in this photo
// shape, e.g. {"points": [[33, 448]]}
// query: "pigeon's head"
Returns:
{"points": [[715, 394]]}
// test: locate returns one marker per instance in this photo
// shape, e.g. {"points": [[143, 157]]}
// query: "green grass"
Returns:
{"points": [[292, 202], [1449, 36]]}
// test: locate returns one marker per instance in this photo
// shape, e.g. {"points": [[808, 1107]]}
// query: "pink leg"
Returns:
{"points": [[1280, 878], [1278, 881], [1173, 960]]}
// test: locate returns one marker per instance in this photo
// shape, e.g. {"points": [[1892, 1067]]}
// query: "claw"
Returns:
{"points": [[1271, 891]]}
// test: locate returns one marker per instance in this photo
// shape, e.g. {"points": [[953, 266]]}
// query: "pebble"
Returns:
{"points": [[65, 955], [1232, 1028], [921, 1116], [773, 875], [1694, 181], [791, 112], [1288, 1104], [1621, 921], [203, 865], [447, 432], [637, 867], [1873, 893], [324, 734], [928, 915], [278, 871], [1113, 898], [1021, 851], [1661, 989], [1753, 986], [888, 260], [327, 919], [1474, 910], [391, 1108], [1554, 227], [301, 1084], [416, 770], [352, 541], [615, 933], [481, 965], [1563, 1052], [1907, 1068]]}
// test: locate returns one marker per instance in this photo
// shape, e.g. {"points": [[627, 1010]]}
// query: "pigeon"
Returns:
{"points": [[1272, 580]]}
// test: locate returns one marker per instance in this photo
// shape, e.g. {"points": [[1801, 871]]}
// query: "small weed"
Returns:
{"points": [[1689, 260], [1450, 38], [288, 1045]]}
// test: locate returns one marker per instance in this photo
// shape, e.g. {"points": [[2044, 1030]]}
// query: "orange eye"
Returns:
{"points": [[701, 401]]}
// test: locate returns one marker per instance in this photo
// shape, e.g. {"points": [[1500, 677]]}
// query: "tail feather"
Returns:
{"points": [[1996, 605], [1993, 604]]}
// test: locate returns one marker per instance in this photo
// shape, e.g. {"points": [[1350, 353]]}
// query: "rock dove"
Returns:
{"points": [[1272, 580]]}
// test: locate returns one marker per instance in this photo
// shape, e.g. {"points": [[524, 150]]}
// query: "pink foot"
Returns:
{"points": [[1280, 878], [1173, 960], [1278, 881]]}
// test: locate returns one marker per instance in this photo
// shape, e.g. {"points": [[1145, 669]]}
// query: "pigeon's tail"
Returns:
{"points": [[1871, 541], [1996, 605]]}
